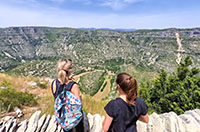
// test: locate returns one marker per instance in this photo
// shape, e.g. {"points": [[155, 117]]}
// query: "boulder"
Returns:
{"points": [[172, 123], [90, 120], [19, 112], [155, 124], [167, 122], [32, 83], [191, 124], [33, 122], [51, 124], [97, 123], [23, 126], [41, 123], [13, 126], [46, 123]]}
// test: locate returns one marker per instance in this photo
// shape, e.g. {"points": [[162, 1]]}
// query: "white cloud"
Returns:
{"points": [[59, 1], [132, 1], [114, 4], [118, 4]]}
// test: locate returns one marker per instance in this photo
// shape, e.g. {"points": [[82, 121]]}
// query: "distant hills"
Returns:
{"points": [[115, 29], [35, 50]]}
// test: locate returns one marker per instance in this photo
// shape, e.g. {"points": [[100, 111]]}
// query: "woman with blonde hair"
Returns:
{"points": [[64, 71], [123, 112]]}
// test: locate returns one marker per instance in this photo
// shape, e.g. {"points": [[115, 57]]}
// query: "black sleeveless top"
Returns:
{"points": [[68, 87], [60, 88]]}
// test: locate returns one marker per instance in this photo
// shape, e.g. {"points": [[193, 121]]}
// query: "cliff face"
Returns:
{"points": [[167, 122], [151, 49]]}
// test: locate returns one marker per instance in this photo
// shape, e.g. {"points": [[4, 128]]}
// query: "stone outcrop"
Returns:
{"points": [[167, 122]]}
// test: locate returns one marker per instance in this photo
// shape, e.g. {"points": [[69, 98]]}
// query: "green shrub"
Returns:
{"points": [[100, 83], [178, 92], [10, 98], [42, 85]]}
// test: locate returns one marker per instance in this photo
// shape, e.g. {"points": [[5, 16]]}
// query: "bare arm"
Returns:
{"points": [[54, 86], [144, 118], [106, 123], [75, 91]]}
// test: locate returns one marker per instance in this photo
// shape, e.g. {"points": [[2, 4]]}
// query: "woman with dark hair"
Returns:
{"points": [[123, 112]]}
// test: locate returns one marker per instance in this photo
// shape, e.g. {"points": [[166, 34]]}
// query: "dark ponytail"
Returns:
{"points": [[129, 86]]}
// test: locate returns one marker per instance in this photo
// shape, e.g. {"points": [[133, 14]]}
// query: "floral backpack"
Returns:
{"points": [[67, 107]]}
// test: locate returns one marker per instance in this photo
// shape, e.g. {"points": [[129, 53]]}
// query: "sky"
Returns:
{"points": [[113, 14]]}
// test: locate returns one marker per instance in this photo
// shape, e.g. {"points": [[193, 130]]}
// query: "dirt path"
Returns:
{"points": [[180, 48], [77, 77], [100, 95]]}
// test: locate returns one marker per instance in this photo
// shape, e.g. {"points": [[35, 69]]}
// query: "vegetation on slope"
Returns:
{"points": [[11, 98], [177, 92]]}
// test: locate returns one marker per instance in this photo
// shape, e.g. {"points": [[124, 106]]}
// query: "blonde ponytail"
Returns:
{"points": [[62, 77], [62, 69]]}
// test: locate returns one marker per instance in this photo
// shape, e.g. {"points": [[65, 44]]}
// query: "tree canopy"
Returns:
{"points": [[177, 92]]}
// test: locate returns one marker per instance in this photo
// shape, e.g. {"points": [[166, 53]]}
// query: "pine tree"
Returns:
{"points": [[177, 92]]}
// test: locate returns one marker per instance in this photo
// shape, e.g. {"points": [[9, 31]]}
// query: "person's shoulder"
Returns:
{"points": [[52, 81], [138, 100], [73, 82], [111, 108], [112, 103]]}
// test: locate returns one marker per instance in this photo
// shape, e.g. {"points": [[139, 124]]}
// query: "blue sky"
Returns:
{"points": [[127, 14]]}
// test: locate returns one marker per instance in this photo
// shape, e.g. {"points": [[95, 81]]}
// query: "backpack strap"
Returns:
{"points": [[52, 88], [68, 87], [60, 88]]}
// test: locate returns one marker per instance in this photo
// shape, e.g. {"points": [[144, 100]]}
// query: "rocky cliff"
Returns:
{"points": [[35, 50], [167, 122]]}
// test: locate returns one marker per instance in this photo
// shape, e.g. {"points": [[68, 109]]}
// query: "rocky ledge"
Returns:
{"points": [[167, 122]]}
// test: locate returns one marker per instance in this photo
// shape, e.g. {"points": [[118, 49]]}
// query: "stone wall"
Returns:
{"points": [[167, 122]]}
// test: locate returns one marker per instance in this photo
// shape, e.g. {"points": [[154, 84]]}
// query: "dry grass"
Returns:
{"points": [[45, 98], [93, 106]]}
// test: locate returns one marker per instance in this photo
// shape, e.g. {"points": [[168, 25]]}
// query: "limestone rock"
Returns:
{"points": [[23, 126], [46, 123], [97, 123], [33, 122], [13, 126], [51, 124], [8, 125], [191, 124], [40, 123], [172, 123], [167, 122], [59, 128], [90, 120]]}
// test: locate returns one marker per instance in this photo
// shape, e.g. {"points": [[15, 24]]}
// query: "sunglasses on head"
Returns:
{"points": [[66, 60]]}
